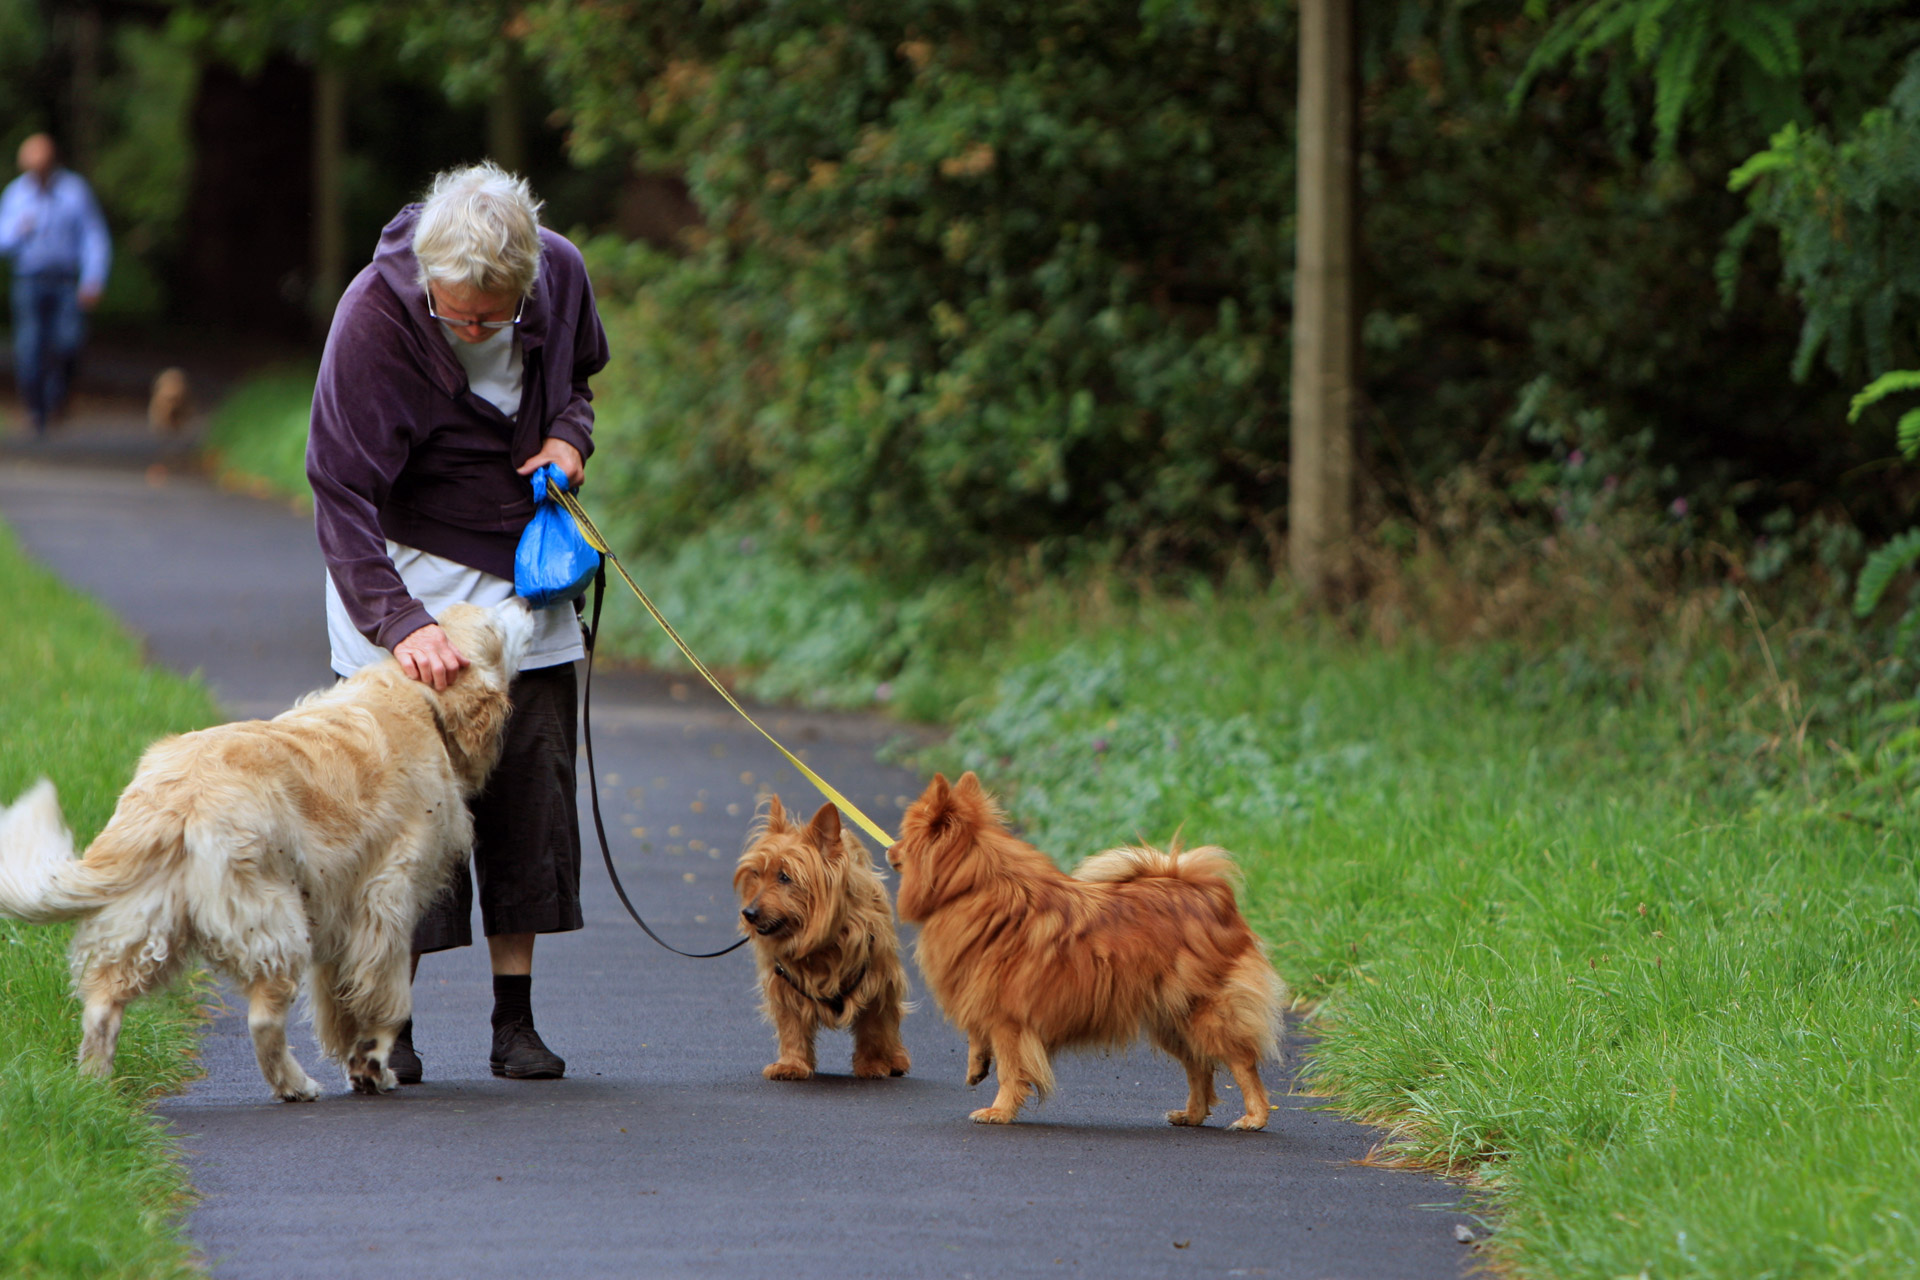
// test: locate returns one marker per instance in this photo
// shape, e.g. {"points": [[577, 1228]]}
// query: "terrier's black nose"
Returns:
{"points": [[751, 913]]}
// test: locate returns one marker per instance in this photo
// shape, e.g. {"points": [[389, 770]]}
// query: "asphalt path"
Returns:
{"points": [[664, 1153]]}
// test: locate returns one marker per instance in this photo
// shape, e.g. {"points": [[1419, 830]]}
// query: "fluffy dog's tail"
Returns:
{"points": [[1206, 865], [39, 879]]}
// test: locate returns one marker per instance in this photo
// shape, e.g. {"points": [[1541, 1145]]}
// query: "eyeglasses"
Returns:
{"points": [[483, 324]]}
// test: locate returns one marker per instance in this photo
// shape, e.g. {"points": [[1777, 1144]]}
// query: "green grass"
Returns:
{"points": [[258, 435], [90, 1184], [1665, 1016]]}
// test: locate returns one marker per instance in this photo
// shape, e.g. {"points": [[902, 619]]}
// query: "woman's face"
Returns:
{"points": [[462, 308]]}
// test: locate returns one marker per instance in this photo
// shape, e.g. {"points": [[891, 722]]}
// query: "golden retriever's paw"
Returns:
{"points": [[1186, 1118], [991, 1115], [306, 1089], [787, 1071], [373, 1079], [1249, 1123]]}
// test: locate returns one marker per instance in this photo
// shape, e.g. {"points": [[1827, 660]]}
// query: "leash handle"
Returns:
{"points": [[593, 784], [599, 543]]}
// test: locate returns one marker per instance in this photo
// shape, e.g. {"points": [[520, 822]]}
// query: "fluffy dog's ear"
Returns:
{"points": [[823, 833], [776, 814]]}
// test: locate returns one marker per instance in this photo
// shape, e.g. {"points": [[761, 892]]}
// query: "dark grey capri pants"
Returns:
{"points": [[526, 849]]}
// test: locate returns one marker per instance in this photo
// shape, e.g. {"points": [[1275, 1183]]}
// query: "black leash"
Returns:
{"points": [[593, 782], [836, 1005]]}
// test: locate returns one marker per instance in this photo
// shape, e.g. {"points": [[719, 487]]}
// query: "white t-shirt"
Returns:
{"points": [[494, 368]]}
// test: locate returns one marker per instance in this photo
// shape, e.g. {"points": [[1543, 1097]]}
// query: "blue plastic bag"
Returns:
{"points": [[553, 563]]}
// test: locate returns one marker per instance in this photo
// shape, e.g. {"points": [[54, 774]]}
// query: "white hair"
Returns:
{"points": [[480, 229]]}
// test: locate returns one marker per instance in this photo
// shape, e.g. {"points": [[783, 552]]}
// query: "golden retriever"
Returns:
{"points": [[306, 845], [824, 943], [1027, 960]]}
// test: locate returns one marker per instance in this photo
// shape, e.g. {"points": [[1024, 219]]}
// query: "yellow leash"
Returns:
{"points": [[599, 543]]}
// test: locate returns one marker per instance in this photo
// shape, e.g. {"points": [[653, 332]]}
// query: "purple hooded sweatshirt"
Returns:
{"points": [[401, 448]]}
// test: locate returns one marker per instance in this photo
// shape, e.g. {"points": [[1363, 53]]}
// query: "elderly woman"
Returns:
{"points": [[456, 366]]}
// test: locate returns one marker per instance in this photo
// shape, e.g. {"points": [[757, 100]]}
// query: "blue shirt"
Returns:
{"points": [[55, 228]]}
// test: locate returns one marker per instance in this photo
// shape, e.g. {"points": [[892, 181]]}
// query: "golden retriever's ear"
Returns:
{"points": [[823, 833], [472, 714]]}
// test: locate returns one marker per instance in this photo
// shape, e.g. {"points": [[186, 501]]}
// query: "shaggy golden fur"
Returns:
{"points": [[302, 846], [1028, 960], [824, 942]]}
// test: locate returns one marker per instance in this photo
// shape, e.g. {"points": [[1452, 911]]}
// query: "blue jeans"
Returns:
{"points": [[47, 333]]}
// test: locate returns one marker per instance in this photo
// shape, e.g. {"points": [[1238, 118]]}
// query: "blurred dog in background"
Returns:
{"points": [[171, 402]]}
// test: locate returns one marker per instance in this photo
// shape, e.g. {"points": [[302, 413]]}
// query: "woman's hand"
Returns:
{"points": [[561, 454], [429, 657]]}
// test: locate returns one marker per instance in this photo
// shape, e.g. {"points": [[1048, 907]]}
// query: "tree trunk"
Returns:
{"points": [[1320, 510], [83, 146], [246, 264], [506, 123], [329, 197]]}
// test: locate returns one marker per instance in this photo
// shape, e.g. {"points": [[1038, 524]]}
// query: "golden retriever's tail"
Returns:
{"points": [[40, 881]]}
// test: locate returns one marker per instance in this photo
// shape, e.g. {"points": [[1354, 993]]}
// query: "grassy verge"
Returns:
{"points": [[89, 1182], [258, 436], [1663, 1011]]}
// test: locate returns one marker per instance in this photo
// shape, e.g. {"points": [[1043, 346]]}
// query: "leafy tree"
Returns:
{"points": [[984, 275]]}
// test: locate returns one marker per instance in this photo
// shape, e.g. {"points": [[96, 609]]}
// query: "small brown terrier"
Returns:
{"points": [[1028, 960], [824, 942]]}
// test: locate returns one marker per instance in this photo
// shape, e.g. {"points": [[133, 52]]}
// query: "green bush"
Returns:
{"points": [[258, 435]]}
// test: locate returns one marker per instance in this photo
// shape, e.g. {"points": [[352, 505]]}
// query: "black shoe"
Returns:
{"points": [[519, 1054], [404, 1060]]}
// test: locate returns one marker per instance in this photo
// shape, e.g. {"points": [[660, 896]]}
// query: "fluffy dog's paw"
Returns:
{"points": [[881, 1063], [991, 1115], [976, 1074], [787, 1071], [1249, 1123], [1186, 1118]]}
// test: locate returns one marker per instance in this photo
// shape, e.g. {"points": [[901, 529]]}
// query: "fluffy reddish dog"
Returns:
{"points": [[824, 942], [1028, 960]]}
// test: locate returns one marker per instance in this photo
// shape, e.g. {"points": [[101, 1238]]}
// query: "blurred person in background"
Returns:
{"points": [[50, 225], [457, 365]]}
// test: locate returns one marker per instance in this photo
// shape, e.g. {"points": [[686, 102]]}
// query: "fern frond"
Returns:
{"points": [[1887, 384], [1878, 573], [1907, 431], [1676, 77], [1765, 35]]}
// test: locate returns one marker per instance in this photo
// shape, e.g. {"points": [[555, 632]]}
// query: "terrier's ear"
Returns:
{"points": [[969, 784], [938, 792], [776, 814], [823, 833]]}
